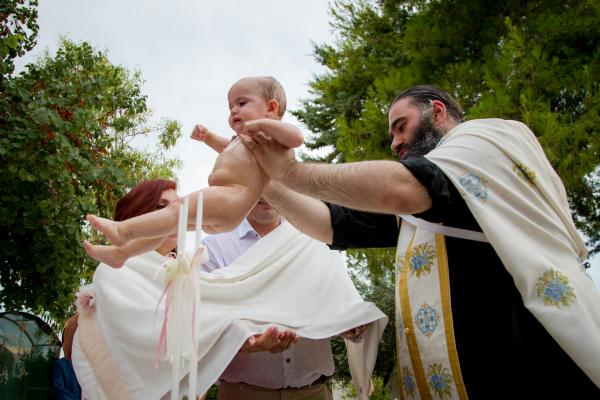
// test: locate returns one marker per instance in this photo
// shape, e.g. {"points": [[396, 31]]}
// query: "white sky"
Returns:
{"points": [[190, 52]]}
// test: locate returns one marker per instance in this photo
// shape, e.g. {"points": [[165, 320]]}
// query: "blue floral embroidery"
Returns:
{"points": [[408, 383], [427, 319], [440, 380], [554, 289], [475, 185], [421, 259]]}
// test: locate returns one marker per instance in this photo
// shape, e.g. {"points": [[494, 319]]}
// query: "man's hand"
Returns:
{"points": [[270, 340], [200, 133], [354, 334], [274, 158]]}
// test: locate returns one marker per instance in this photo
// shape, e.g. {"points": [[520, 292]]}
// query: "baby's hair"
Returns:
{"points": [[270, 89]]}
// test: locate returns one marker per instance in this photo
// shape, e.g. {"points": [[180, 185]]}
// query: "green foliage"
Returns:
{"points": [[380, 390], [212, 393], [18, 32], [533, 61], [65, 127]]}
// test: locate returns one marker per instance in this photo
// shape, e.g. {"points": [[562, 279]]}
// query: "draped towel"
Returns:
{"points": [[286, 279]]}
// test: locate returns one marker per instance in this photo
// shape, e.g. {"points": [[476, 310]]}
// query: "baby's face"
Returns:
{"points": [[245, 104]]}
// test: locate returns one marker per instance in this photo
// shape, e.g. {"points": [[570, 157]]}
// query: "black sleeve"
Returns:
{"points": [[361, 229], [437, 185], [447, 205]]}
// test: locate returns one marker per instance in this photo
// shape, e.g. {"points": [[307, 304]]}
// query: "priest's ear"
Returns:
{"points": [[438, 112]]}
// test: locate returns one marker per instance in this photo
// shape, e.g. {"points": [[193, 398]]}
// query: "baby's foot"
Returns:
{"points": [[110, 255], [107, 227]]}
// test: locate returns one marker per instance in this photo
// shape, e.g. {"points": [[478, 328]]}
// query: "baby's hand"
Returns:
{"points": [[252, 127], [200, 133]]}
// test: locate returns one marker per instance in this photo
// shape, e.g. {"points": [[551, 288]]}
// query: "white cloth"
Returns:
{"points": [[287, 279], [297, 366], [521, 205]]}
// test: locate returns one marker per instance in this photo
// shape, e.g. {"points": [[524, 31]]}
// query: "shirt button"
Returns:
{"points": [[287, 360]]}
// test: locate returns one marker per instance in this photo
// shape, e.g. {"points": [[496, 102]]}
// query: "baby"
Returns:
{"points": [[235, 183]]}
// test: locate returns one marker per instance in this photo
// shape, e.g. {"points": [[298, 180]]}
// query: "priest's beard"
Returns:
{"points": [[425, 139]]}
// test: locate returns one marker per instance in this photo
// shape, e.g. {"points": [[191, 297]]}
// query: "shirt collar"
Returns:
{"points": [[245, 229]]}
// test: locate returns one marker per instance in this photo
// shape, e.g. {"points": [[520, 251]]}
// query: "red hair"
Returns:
{"points": [[142, 199]]}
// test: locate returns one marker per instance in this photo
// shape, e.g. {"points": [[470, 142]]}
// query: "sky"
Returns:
{"points": [[190, 53]]}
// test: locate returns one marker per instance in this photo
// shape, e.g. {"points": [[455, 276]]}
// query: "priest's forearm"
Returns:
{"points": [[308, 215], [377, 186]]}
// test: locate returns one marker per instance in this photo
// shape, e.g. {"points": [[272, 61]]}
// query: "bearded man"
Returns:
{"points": [[491, 298]]}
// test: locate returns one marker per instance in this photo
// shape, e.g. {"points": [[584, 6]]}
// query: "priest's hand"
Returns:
{"points": [[274, 158], [271, 340]]}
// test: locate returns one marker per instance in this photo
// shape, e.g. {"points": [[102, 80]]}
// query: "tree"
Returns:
{"points": [[66, 123], [18, 32], [534, 61]]}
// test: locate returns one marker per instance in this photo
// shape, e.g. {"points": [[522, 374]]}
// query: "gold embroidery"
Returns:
{"points": [[447, 313]]}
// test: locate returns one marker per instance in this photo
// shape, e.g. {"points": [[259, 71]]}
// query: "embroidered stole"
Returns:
{"points": [[428, 364]]}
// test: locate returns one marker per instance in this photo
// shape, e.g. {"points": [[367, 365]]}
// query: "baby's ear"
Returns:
{"points": [[273, 106]]}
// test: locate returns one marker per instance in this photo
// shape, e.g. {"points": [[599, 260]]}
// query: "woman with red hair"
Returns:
{"points": [[96, 356]]}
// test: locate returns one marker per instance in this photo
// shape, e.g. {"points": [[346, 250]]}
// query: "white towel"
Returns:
{"points": [[286, 279]]}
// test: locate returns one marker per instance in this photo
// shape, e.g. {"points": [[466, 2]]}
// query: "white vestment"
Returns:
{"points": [[286, 279], [520, 203]]}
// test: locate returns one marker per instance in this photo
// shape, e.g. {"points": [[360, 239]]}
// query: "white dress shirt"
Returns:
{"points": [[301, 364]]}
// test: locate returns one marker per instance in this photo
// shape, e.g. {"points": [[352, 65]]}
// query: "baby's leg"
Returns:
{"points": [[225, 207], [156, 224], [236, 184], [107, 227], [115, 256]]}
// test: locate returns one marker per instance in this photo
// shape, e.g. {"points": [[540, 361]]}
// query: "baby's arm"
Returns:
{"points": [[214, 141], [287, 134]]}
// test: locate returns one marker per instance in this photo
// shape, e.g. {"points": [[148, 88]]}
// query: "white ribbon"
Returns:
{"points": [[445, 230]]}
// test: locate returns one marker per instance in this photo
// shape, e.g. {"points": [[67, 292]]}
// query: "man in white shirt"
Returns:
{"points": [[273, 365]]}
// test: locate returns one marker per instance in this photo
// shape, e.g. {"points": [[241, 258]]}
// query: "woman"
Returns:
{"points": [[146, 197]]}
